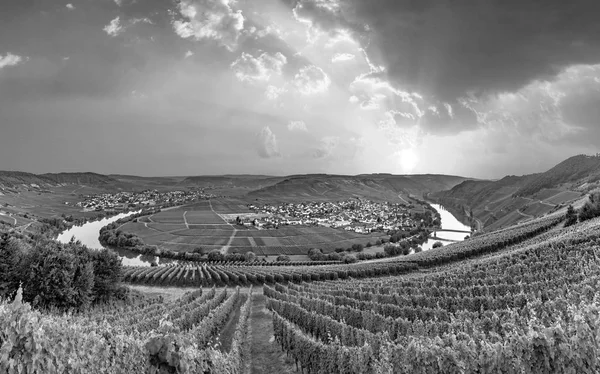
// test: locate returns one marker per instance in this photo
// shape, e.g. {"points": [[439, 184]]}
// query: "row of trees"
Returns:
{"points": [[55, 275]]}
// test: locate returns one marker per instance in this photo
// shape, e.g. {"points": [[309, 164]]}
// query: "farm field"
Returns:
{"points": [[190, 227]]}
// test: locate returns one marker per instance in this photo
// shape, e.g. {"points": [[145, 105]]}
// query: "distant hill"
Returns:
{"points": [[244, 181], [18, 179], [374, 186], [501, 203], [86, 178]]}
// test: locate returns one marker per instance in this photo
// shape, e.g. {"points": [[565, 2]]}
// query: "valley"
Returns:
{"points": [[341, 274]]}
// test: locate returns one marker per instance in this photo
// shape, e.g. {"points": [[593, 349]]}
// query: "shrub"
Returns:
{"points": [[215, 255], [283, 258], [357, 247], [437, 245], [250, 256], [350, 259]]}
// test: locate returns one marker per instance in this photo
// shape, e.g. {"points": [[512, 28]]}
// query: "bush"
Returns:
{"points": [[215, 255], [350, 259], [437, 245], [283, 258], [378, 242], [250, 256], [357, 247], [315, 254]]}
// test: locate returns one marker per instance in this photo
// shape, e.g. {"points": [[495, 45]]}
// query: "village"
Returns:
{"points": [[358, 215], [125, 200]]}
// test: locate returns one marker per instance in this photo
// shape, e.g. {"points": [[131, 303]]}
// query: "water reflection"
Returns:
{"points": [[449, 222], [88, 235]]}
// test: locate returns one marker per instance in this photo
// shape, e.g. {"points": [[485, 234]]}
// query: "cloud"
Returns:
{"points": [[450, 49], [189, 54], [273, 93], [448, 119], [266, 144], [297, 126], [327, 146], [210, 19], [10, 60], [70, 6], [311, 80], [338, 57], [119, 2], [114, 28], [251, 69]]}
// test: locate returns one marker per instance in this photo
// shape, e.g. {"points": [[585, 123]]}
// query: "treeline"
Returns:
{"points": [[58, 276], [589, 210]]}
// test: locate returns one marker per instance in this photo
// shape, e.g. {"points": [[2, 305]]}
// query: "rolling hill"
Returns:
{"points": [[496, 204], [374, 186]]}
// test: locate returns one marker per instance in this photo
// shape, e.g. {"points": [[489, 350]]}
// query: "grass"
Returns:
{"points": [[266, 355]]}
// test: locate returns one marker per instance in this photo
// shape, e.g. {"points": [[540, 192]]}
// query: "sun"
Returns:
{"points": [[407, 159]]}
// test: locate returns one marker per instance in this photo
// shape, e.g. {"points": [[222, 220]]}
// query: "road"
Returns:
{"points": [[225, 248]]}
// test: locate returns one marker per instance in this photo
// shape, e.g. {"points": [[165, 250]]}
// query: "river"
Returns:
{"points": [[449, 222], [88, 234]]}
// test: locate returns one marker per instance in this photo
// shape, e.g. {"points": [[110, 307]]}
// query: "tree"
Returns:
{"points": [[215, 255], [250, 256], [315, 254], [437, 245], [570, 216]]}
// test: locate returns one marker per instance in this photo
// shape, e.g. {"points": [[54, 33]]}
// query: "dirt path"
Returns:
{"points": [[185, 220], [225, 337], [266, 355], [524, 214]]}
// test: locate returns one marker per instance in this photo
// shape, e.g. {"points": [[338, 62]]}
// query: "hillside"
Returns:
{"points": [[375, 186], [512, 199], [570, 173], [79, 178]]}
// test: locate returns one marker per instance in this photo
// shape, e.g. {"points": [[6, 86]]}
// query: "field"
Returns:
{"points": [[199, 225]]}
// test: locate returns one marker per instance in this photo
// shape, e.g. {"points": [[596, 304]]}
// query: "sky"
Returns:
{"points": [[482, 88]]}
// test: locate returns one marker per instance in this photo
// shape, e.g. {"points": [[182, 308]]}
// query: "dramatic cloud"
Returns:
{"points": [[448, 119], [448, 49], [297, 126], [210, 19], [9, 60], [251, 69], [311, 80], [114, 28], [70, 6], [267, 144]]}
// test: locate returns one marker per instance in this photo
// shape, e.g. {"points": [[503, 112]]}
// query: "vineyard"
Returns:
{"points": [[533, 311], [519, 300], [149, 337], [192, 274]]}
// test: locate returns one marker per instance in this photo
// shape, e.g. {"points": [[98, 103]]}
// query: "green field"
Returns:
{"points": [[206, 229]]}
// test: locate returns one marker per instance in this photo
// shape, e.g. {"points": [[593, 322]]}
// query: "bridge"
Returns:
{"points": [[436, 230], [444, 239]]}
